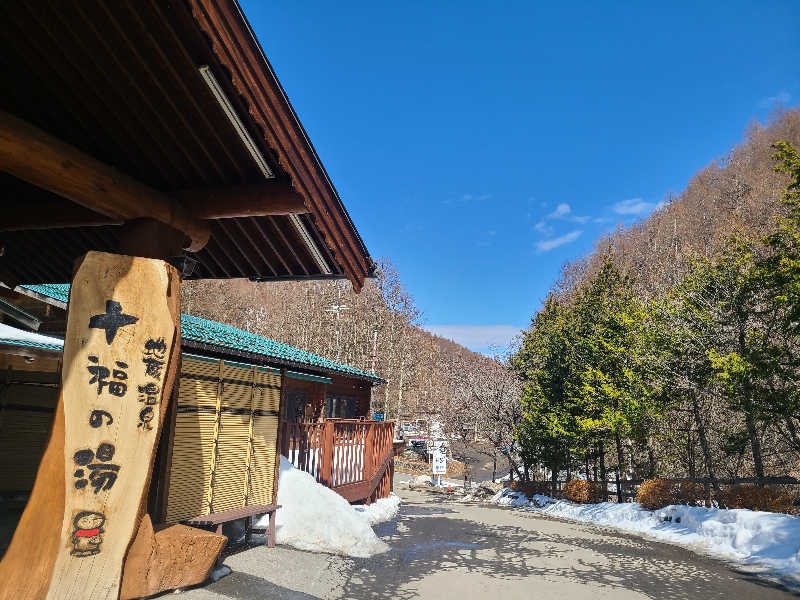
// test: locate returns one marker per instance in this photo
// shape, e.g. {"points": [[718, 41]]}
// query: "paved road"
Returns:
{"points": [[443, 549], [479, 456]]}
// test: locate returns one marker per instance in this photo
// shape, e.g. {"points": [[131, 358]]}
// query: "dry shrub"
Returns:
{"points": [[689, 493], [654, 494], [757, 497], [531, 488], [585, 492], [455, 469], [658, 493]]}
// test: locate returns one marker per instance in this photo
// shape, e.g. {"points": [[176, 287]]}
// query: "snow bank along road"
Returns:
{"points": [[442, 549]]}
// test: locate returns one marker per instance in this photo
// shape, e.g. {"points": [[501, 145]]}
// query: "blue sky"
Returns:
{"points": [[480, 145]]}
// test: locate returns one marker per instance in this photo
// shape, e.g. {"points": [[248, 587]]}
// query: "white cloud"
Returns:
{"points": [[547, 245], [782, 98], [633, 206], [543, 228], [561, 211], [476, 337]]}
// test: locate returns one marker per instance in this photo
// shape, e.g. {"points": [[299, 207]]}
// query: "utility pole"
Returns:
{"points": [[337, 308], [374, 349]]}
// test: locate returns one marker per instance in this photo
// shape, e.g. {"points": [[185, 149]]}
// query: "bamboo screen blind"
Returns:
{"points": [[226, 429]]}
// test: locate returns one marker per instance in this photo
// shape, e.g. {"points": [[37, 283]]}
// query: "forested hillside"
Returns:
{"points": [[670, 350], [427, 376], [741, 191], [673, 348]]}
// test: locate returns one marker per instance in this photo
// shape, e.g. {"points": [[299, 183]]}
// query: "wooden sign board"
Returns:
{"points": [[439, 461], [120, 354], [39, 561]]}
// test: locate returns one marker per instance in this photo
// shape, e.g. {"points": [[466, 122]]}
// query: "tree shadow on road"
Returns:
{"points": [[430, 543]]}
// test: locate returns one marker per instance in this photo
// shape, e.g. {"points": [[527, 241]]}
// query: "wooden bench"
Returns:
{"points": [[217, 520]]}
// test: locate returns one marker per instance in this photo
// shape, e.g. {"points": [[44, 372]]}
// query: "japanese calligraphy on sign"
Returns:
{"points": [[122, 333], [439, 458]]}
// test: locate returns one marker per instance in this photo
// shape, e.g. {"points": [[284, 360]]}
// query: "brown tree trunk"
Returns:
{"points": [[755, 445], [701, 433], [602, 460], [752, 430], [620, 454], [569, 465]]}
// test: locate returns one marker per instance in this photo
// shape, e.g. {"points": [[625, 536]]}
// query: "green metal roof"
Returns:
{"points": [[31, 344], [212, 333], [56, 291]]}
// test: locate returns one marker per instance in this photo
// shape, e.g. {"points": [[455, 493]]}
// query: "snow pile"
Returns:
{"points": [[540, 500], [420, 480], [767, 541], [770, 540], [380, 511], [20, 335], [483, 493], [508, 497], [313, 517]]}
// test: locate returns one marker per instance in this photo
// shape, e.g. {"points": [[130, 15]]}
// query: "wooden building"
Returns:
{"points": [[221, 438], [142, 143]]}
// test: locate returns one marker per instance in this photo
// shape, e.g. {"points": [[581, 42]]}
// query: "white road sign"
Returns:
{"points": [[439, 461]]}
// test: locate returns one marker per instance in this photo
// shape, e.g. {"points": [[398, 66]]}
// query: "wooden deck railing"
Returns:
{"points": [[352, 457]]}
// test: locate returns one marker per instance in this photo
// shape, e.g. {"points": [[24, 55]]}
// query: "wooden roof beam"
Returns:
{"points": [[270, 197], [267, 198], [37, 157]]}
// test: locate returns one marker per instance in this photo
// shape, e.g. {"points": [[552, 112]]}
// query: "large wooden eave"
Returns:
{"points": [[239, 53], [105, 196], [123, 84]]}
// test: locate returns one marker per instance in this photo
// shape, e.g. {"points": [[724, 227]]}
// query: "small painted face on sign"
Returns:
{"points": [[87, 530]]}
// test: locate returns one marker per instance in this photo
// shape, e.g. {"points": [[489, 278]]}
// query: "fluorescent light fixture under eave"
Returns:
{"points": [[227, 107], [230, 112], [312, 247]]}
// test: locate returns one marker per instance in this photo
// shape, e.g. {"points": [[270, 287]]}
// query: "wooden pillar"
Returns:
{"points": [[120, 362], [280, 438], [162, 469], [326, 465]]}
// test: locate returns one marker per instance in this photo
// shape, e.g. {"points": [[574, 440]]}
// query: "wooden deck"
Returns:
{"points": [[354, 458]]}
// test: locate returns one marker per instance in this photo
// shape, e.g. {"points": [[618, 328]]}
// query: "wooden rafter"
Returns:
{"points": [[51, 212], [37, 157]]}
